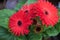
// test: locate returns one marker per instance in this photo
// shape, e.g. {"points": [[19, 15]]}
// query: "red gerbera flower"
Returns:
{"points": [[19, 23], [50, 13], [33, 10]]}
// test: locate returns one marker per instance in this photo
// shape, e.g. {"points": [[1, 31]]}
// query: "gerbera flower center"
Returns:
{"points": [[46, 12], [34, 21], [19, 23], [26, 11], [38, 29]]}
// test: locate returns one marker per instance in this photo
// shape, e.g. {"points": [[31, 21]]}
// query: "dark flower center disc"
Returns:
{"points": [[19, 23], [46, 12], [38, 29], [34, 21], [26, 11]]}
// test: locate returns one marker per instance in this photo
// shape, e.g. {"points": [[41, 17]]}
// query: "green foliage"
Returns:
{"points": [[38, 36], [33, 36], [52, 32], [46, 28], [57, 26], [5, 13], [4, 22], [4, 17], [6, 35], [31, 1], [46, 32]]}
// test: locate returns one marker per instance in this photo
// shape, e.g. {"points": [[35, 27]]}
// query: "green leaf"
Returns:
{"points": [[22, 38], [4, 17], [20, 3], [5, 13], [6, 35], [33, 36], [52, 32], [4, 22], [31, 1], [32, 27], [46, 28], [57, 26], [3, 33]]}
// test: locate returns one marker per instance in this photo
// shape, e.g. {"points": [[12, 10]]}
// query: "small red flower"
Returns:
{"points": [[34, 10], [30, 9], [50, 13], [19, 23]]}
